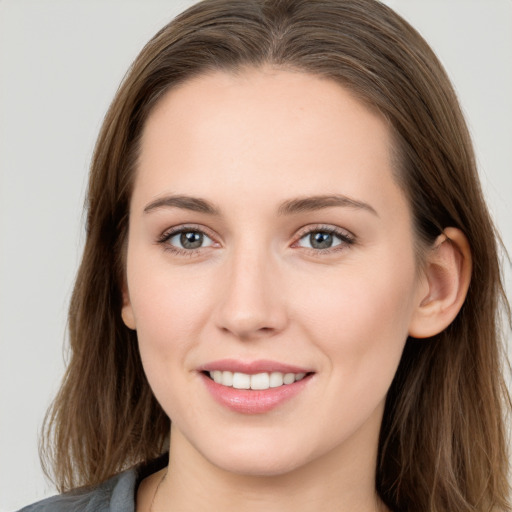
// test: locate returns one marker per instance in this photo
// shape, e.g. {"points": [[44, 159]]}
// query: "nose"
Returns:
{"points": [[253, 302]]}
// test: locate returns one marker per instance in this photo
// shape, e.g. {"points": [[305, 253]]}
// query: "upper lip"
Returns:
{"points": [[252, 367]]}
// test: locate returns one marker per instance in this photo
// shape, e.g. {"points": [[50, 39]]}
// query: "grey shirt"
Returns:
{"points": [[114, 495]]}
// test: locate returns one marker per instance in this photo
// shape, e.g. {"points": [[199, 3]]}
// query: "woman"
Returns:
{"points": [[290, 280]]}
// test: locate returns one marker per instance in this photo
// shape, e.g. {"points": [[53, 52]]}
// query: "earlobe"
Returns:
{"points": [[447, 275], [127, 311]]}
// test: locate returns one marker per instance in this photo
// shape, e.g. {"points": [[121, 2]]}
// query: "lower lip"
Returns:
{"points": [[247, 401]]}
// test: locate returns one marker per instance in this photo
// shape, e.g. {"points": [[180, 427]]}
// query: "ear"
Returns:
{"points": [[127, 310], [447, 275]]}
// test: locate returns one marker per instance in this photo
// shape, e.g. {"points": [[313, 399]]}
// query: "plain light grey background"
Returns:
{"points": [[60, 64]]}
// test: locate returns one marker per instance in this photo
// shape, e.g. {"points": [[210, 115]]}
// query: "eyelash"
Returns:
{"points": [[167, 235], [346, 239]]}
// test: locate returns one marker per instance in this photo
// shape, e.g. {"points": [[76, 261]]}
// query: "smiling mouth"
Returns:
{"points": [[257, 381]]}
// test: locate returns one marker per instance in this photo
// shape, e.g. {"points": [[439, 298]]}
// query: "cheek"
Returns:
{"points": [[360, 315], [360, 324], [165, 300], [168, 317], [168, 324]]}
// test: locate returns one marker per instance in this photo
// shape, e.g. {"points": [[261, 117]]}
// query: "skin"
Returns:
{"points": [[248, 143]]}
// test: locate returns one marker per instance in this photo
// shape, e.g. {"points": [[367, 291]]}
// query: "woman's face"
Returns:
{"points": [[269, 242]]}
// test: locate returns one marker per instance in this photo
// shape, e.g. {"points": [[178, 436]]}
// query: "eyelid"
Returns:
{"points": [[175, 230], [347, 238], [330, 228]]}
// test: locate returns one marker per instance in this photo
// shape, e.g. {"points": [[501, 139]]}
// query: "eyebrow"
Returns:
{"points": [[194, 204], [306, 204], [290, 207]]}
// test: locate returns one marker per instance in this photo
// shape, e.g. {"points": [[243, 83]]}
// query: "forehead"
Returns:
{"points": [[263, 99], [301, 133]]}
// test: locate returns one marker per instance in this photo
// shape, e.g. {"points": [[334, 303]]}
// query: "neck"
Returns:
{"points": [[342, 480]]}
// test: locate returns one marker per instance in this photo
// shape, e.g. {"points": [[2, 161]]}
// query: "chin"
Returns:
{"points": [[267, 460], [260, 467]]}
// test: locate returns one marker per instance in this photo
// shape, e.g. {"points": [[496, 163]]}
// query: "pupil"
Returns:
{"points": [[191, 240], [320, 240]]}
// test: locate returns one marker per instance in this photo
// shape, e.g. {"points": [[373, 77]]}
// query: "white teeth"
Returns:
{"points": [[258, 381], [227, 378], [241, 380], [276, 379], [289, 378]]}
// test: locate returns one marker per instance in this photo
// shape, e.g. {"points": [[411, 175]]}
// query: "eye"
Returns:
{"points": [[186, 239], [322, 239]]}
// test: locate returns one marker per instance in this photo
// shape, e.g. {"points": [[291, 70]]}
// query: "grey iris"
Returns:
{"points": [[191, 239], [320, 240]]}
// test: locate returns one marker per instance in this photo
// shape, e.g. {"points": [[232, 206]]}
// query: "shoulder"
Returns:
{"points": [[114, 495]]}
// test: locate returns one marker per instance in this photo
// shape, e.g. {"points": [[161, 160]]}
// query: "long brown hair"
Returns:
{"points": [[442, 445]]}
